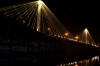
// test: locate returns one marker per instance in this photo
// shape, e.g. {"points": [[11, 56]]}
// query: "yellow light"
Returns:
{"points": [[39, 15], [67, 34], [86, 30], [40, 2]]}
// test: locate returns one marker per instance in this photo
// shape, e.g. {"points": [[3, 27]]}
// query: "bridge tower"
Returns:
{"points": [[37, 16], [86, 37]]}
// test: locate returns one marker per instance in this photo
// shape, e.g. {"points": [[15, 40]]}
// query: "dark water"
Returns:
{"points": [[93, 61]]}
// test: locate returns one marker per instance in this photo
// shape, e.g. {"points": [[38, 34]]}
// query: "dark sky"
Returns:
{"points": [[77, 15], [74, 15]]}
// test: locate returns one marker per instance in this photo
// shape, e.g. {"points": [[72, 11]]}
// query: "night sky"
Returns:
{"points": [[74, 15]]}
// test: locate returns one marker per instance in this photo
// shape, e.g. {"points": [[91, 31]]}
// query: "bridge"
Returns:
{"points": [[34, 33], [40, 18]]}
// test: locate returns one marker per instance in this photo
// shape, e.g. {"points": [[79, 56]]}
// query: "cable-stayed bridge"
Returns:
{"points": [[40, 18], [33, 30]]}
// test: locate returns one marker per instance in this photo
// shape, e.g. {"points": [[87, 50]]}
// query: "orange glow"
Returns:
{"points": [[77, 37], [76, 65], [67, 34], [49, 28]]}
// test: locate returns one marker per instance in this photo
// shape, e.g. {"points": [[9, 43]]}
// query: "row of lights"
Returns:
{"points": [[76, 38], [76, 63], [66, 34]]}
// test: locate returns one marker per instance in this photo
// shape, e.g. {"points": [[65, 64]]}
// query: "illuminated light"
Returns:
{"points": [[39, 15], [37, 29], [24, 22], [92, 59], [64, 37], [96, 57], [67, 34], [71, 63], [40, 3], [76, 65], [77, 37], [55, 35], [49, 29], [75, 62], [86, 30], [61, 65], [59, 36]]}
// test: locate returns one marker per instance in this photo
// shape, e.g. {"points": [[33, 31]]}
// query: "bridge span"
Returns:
{"points": [[32, 33]]}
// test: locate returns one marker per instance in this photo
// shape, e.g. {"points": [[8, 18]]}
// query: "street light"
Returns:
{"points": [[66, 34], [77, 37], [49, 29]]}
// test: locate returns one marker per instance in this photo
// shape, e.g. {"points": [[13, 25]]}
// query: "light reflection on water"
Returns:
{"points": [[94, 61]]}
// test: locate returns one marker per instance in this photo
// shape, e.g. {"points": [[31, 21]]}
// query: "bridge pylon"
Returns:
{"points": [[37, 16], [86, 37]]}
